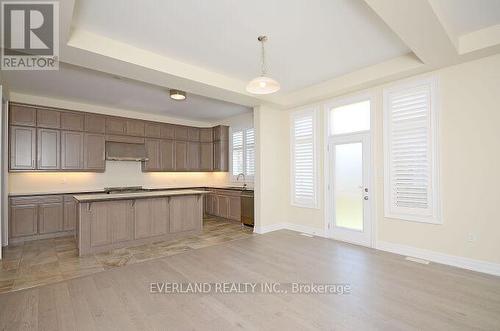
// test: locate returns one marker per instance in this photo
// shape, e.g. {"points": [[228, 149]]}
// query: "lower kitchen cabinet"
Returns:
{"points": [[224, 203], [185, 213], [110, 222], [70, 213], [151, 217], [37, 217], [23, 220], [50, 217]]}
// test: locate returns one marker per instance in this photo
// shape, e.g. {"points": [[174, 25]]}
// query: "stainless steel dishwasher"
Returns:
{"points": [[247, 208]]}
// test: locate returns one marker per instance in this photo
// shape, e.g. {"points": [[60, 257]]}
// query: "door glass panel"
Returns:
{"points": [[348, 193], [350, 118]]}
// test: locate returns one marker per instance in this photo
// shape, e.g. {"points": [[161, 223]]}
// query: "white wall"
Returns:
{"points": [[470, 163]]}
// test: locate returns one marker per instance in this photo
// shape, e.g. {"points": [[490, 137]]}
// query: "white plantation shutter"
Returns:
{"points": [[243, 153], [303, 146], [411, 183], [237, 143], [250, 152]]}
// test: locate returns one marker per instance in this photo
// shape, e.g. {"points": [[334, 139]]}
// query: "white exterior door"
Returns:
{"points": [[349, 198]]}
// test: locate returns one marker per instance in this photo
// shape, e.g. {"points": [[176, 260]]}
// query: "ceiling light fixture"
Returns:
{"points": [[263, 84], [178, 95]]}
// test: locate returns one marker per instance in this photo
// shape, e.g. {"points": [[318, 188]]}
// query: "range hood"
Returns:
{"points": [[120, 151]]}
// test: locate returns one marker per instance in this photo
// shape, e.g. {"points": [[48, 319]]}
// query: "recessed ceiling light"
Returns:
{"points": [[177, 95], [263, 84]]}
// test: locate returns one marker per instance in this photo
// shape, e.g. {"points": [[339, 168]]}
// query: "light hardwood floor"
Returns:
{"points": [[388, 292]]}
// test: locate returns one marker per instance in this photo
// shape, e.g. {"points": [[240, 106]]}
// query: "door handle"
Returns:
{"points": [[365, 197]]}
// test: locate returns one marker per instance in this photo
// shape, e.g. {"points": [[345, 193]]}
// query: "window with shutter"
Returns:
{"points": [[304, 163], [243, 153], [411, 165]]}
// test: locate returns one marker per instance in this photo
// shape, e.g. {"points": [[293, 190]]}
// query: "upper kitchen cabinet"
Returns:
{"points": [[72, 121], [193, 134], [167, 155], [22, 149], [116, 125], [181, 156], [206, 157], [134, 128], [154, 155], [167, 131], [193, 156], [181, 133], [22, 115], [72, 150], [94, 152], [152, 130], [206, 135], [124, 126], [44, 139], [48, 149], [221, 148], [47, 118], [221, 133], [95, 123], [221, 156]]}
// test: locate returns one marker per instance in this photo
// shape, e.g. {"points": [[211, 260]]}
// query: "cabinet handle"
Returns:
{"points": [[89, 206]]}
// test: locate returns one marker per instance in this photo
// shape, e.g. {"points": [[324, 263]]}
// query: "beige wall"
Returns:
{"points": [[470, 163], [271, 180]]}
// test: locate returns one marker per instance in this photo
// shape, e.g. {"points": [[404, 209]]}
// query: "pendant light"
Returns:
{"points": [[263, 84]]}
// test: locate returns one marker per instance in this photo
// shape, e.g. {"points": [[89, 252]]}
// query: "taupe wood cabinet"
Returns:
{"points": [[46, 139], [223, 203], [106, 225], [36, 217], [152, 217], [22, 148], [55, 140], [221, 148], [72, 151]]}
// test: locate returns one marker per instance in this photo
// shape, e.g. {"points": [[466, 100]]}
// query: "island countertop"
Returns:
{"points": [[134, 195]]}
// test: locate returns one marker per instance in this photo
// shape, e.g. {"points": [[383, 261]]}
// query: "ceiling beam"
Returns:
{"points": [[418, 26]]}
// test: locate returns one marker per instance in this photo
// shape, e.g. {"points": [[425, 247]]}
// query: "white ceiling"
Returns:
{"points": [[466, 16], [88, 86], [310, 41]]}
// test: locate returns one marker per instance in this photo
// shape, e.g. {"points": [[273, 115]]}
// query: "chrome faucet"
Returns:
{"points": [[244, 179]]}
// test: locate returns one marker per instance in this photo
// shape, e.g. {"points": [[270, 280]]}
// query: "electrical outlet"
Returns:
{"points": [[471, 237]]}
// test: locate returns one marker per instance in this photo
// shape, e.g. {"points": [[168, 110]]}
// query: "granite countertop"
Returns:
{"points": [[134, 195], [97, 191]]}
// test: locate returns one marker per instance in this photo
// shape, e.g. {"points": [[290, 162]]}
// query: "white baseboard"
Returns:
{"points": [[452, 260], [289, 226]]}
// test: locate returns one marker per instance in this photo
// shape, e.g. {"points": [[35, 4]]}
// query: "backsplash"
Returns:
{"points": [[118, 173]]}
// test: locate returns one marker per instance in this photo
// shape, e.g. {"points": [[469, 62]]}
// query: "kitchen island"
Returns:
{"points": [[109, 221]]}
